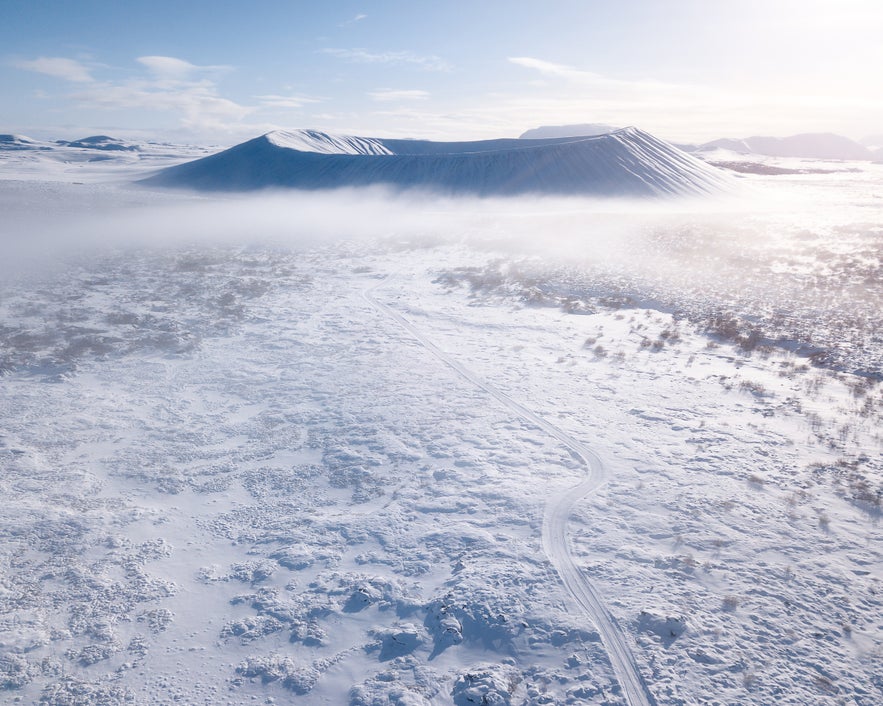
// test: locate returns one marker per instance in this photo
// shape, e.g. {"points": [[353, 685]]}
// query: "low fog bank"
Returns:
{"points": [[809, 260], [55, 220]]}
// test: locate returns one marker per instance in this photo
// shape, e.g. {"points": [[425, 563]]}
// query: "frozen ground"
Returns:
{"points": [[348, 449]]}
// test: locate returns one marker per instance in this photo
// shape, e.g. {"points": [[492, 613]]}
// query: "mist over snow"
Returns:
{"points": [[373, 446]]}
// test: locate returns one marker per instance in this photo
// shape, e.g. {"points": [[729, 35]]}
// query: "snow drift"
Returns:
{"points": [[627, 162]]}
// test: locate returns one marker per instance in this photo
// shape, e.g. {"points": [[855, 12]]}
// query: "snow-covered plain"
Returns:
{"points": [[354, 448]]}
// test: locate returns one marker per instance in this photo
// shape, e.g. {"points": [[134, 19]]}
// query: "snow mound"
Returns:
{"points": [[397, 641], [667, 627], [484, 685], [275, 667], [627, 162]]}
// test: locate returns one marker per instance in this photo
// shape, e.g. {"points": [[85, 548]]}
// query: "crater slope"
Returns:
{"points": [[627, 162]]}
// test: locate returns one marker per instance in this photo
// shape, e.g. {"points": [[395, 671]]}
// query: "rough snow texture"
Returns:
{"points": [[627, 162], [229, 478]]}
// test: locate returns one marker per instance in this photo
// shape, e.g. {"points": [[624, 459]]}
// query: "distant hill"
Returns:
{"points": [[873, 142], [627, 162], [101, 142], [584, 130], [809, 146], [20, 142]]}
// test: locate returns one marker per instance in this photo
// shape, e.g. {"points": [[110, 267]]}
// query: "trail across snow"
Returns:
{"points": [[558, 509]]}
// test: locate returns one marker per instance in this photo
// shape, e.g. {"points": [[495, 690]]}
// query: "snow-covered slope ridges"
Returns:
{"points": [[627, 162], [323, 143]]}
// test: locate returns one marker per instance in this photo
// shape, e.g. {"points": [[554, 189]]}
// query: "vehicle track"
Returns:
{"points": [[555, 518]]}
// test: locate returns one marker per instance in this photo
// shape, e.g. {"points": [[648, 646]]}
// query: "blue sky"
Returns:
{"points": [[221, 72]]}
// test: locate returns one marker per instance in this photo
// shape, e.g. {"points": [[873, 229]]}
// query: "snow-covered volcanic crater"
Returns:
{"points": [[627, 162]]}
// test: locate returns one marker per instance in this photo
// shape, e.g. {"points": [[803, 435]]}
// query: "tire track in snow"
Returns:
{"points": [[555, 518]]}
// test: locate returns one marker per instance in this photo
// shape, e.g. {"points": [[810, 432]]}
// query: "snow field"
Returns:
{"points": [[229, 477], [734, 507]]}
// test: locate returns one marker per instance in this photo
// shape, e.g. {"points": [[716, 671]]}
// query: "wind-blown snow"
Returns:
{"points": [[627, 162]]}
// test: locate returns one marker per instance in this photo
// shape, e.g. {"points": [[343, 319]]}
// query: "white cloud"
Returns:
{"points": [[388, 95], [68, 69], [197, 104], [172, 86], [598, 81], [295, 101], [363, 56], [551, 68], [171, 68], [353, 20], [679, 110]]}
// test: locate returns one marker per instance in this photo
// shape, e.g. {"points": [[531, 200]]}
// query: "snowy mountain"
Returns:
{"points": [[583, 130], [20, 142], [89, 158], [102, 142], [808, 146], [627, 162]]}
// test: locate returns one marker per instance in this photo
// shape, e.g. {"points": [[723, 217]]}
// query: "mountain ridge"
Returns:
{"points": [[813, 145], [626, 162]]}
